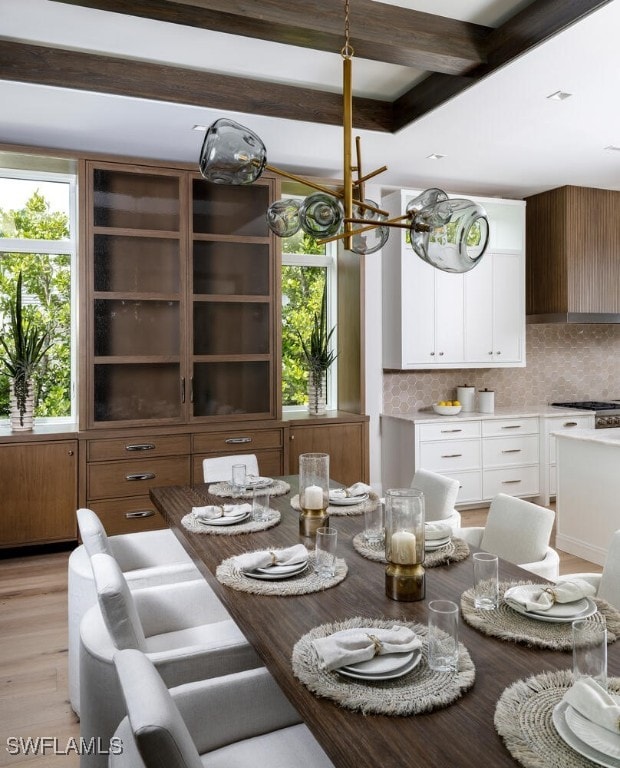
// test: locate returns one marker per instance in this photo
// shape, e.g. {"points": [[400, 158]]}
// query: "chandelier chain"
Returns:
{"points": [[347, 50]]}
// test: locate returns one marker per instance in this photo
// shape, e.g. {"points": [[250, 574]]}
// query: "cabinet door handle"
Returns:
{"points": [[451, 455], [140, 476], [183, 389], [140, 447], [432, 354], [445, 431], [441, 354], [139, 513], [191, 389], [510, 482], [512, 450], [512, 426], [570, 424], [237, 440]]}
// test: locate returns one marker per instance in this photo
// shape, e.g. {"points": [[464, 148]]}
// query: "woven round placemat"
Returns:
{"points": [[247, 526], [420, 690], [523, 718], [224, 489], [336, 510], [227, 573], [453, 552], [507, 624]]}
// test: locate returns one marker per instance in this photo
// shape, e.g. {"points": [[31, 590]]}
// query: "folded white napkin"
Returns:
{"points": [[357, 489], [212, 511], [350, 646], [593, 701], [433, 531], [541, 597], [261, 559]]}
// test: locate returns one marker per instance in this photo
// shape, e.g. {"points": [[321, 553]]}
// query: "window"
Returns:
{"points": [[306, 268], [38, 238]]}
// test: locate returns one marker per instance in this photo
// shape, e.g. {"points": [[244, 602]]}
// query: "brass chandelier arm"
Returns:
{"points": [[397, 222], [370, 175], [302, 180], [360, 180]]}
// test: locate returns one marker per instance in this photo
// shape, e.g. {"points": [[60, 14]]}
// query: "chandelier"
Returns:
{"points": [[450, 234]]}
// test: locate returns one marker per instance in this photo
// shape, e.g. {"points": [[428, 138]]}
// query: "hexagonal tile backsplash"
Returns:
{"points": [[564, 362]]}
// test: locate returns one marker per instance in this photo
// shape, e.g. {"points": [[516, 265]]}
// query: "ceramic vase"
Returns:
{"points": [[317, 394], [22, 422]]}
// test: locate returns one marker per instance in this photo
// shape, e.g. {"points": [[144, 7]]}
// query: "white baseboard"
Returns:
{"points": [[575, 547]]}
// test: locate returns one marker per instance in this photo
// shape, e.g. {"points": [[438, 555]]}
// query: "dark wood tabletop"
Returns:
{"points": [[461, 735]]}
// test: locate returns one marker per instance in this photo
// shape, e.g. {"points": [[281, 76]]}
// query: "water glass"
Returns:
{"points": [[443, 636], [260, 505], [590, 649], [325, 552], [238, 480], [486, 591], [374, 532]]}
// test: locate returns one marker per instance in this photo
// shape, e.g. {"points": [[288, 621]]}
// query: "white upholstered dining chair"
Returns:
{"points": [[183, 628], [219, 468], [147, 559], [241, 720], [518, 531], [440, 493], [607, 583]]}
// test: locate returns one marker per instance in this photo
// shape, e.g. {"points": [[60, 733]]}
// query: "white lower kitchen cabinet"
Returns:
{"points": [[551, 425]]}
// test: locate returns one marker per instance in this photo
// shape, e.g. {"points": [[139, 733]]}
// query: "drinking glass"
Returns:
{"points": [[238, 480], [590, 649], [374, 532], [325, 552], [443, 636], [260, 505], [486, 591]]}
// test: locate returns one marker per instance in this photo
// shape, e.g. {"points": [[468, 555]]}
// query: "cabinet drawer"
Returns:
{"points": [[241, 441], [135, 478], [505, 451], [134, 447], [565, 425], [492, 427], [470, 486], [269, 464], [128, 515], [450, 456], [456, 430], [515, 481]]}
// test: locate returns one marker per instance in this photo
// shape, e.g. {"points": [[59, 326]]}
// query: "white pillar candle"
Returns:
{"points": [[313, 497], [402, 548]]}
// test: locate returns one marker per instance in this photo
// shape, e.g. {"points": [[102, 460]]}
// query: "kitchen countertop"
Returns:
{"points": [[606, 436], [505, 412]]}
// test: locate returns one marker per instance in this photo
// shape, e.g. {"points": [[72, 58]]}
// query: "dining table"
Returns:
{"points": [[459, 735]]}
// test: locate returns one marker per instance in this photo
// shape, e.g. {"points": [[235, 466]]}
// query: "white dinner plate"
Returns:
{"points": [[347, 501], [271, 576], [551, 616], [252, 482], [436, 543], [565, 733], [229, 520], [400, 667], [282, 569], [597, 737]]}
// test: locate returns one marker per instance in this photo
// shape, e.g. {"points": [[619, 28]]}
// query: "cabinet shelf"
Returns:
{"points": [[130, 232], [136, 296], [137, 360]]}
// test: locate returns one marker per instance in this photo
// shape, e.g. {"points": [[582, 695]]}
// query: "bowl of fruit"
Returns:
{"points": [[447, 407]]}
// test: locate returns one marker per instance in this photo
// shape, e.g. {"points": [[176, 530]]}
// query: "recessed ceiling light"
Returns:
{"points": [[559, 96], [199, 128], [613, 148], [435, 156]]}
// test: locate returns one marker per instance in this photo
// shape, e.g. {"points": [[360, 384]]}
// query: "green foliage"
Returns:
{"points": [[47, 281], [316, 349]]}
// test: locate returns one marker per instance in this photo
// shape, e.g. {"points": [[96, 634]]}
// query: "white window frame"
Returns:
{"points": [[327, 261], [66, 246]]}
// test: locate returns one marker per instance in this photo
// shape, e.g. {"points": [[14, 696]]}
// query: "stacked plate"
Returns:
{"points": [[277, 572], [387, 667], [227, 520], [561, 613], [432, 544], [253, 481], [598, 744], [339, 498]]}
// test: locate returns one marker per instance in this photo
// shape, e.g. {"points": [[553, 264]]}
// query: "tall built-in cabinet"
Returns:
{"points": [[434, 319]]}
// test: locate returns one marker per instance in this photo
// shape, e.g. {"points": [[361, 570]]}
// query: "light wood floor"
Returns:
{"points": [[33, 650]]}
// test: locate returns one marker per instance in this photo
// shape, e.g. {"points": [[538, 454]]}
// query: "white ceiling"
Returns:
{"points": [[500, 137]]}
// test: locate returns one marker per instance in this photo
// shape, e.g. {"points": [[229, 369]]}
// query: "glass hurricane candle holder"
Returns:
{"points": [[404, 544], [313, 492]]}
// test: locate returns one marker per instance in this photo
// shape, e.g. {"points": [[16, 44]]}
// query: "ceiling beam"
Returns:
{"points": [[379, 32], [145, 80]]}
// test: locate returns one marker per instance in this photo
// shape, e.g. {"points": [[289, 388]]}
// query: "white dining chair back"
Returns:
{"points": [[218, 469], [240, 720], [440, 494]]}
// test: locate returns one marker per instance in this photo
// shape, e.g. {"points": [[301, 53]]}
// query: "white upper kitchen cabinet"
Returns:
{"points": [[434, 319]]}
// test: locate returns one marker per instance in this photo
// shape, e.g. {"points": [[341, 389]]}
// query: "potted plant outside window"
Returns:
{"points": [[23, 344], [319, 358]]}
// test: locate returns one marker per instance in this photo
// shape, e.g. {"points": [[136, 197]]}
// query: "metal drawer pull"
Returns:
{"points": [[141, 476], [236, 440], [512, 450], [451, 455], [140, 513], [570, 424], [445, 431], [512, 426], [140, 447], [509, 482]]}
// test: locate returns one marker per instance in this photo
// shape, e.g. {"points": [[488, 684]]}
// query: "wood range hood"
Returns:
{"points": [[573, 256]]}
